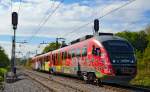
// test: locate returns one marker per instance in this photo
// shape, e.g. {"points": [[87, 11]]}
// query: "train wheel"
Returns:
{"points": [[79, 74], [51, 71], [99, 82], [91, 78]]}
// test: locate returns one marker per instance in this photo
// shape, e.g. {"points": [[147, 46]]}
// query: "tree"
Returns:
{"points": [[52, 46], [142, 41], [137, 39], [147, 30], [4, 60]]}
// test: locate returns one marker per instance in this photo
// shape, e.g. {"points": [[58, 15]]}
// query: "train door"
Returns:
{"points": [[46, 63], [50, 61], [98, 62], [54, 59], [59, 65], [77, 65], [54, 62], [43, 63], [83, 62]]}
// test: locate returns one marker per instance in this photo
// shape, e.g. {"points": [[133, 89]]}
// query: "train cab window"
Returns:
{"points": [[117, 46], [84, 51]]}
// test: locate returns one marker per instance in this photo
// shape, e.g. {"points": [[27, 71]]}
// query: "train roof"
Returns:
{"points": [[41, 55], [103, 38]]}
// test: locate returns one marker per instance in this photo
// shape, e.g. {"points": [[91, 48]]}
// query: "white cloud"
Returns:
{"points": [[71, 16]]}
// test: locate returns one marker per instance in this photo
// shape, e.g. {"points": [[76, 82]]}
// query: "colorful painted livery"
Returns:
{"points": [[103, 57]]}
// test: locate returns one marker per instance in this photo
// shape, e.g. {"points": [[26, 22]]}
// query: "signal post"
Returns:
{"points": [[11, 76]]}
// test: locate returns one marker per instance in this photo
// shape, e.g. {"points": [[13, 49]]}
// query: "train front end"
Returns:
{"points": [[122, 61]]}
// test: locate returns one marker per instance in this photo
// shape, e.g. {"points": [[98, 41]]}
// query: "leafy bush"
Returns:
{"points": [[2, 72], [4, 60], [143, 74], [1, 78], [141, 42]]}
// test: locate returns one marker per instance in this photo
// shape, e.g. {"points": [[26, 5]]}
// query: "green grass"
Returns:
{"points": [[143, 74]]}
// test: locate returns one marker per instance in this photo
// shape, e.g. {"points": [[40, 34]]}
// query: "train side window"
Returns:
{"points": [[73, 53], [62, 56], [78, 52], [69, 54], [46, 58], [58, 57], [65, 55], [52, 57], [84, 51], [96, 51]]}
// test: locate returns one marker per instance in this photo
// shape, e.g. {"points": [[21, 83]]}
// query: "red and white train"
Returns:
{"points": [[103, 57]]}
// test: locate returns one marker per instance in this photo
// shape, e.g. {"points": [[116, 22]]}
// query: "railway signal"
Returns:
{"points": [[11, 76], [96, 25], [14, 20], [14, 24]]}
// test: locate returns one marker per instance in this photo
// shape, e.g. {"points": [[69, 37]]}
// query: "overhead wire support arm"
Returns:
{"points": [[23, 42], [58, 38], [44, 43]]}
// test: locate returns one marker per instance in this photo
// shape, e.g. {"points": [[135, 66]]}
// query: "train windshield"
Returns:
{"points": [[120, 52], [118, 46]]}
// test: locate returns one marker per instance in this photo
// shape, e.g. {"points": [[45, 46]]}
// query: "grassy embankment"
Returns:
{"points": [[143, 75]]}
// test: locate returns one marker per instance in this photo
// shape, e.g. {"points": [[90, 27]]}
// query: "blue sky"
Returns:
{"points": [[70, 15]]}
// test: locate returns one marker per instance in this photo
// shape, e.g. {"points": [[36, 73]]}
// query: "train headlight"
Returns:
{"points": [[132, 61], [114, 61]]}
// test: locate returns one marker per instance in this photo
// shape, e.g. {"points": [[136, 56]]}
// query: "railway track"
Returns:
{"points": [[59, 84], [52, 85]]}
